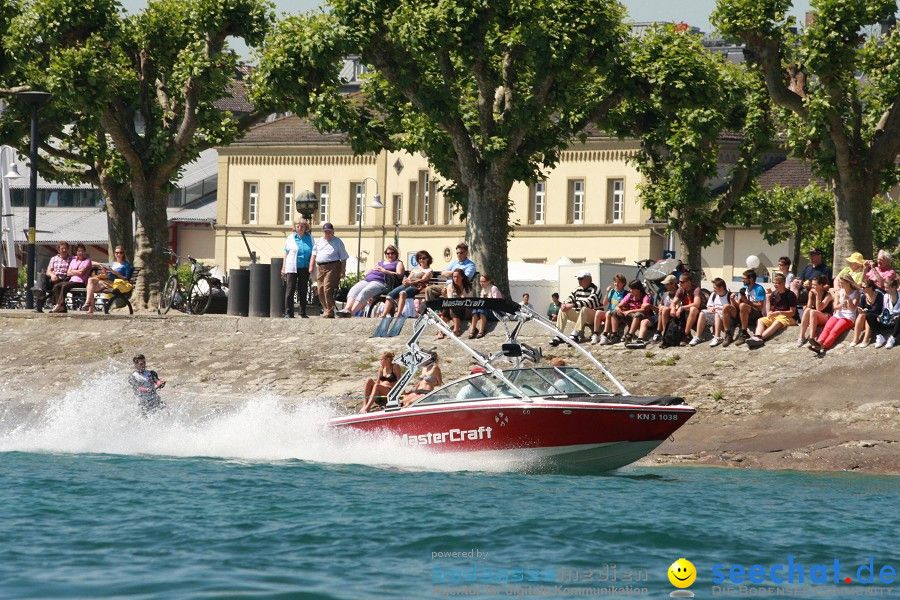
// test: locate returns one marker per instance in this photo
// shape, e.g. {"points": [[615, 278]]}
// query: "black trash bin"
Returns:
{"points": [[259, 290], [276, 289], [239, 292]]}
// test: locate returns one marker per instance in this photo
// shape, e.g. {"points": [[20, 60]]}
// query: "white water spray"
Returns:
{"points": [[101, 416]]}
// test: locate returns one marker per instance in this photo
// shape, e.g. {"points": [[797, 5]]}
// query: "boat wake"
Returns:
{"points": [[101, 416]]}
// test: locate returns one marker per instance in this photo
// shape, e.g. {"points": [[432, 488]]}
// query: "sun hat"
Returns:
{"points": [[668, 279], [857, 258]]}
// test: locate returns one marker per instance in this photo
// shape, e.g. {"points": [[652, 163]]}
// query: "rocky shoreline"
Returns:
{"points": [[777, 407]]}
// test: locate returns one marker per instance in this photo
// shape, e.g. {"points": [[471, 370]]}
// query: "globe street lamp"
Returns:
{"points": [[376, 203], [306, 204], [36, 100]]}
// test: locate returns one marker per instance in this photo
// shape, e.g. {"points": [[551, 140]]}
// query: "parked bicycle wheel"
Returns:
{"points": [[199, 296], [167, 297]]}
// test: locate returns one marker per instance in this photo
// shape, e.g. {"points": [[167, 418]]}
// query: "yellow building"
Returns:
{"points": [[587, 209]]}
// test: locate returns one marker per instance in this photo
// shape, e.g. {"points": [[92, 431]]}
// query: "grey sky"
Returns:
{"points": [[692, 12]]}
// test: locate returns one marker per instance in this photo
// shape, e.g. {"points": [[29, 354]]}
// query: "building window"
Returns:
{"points": [[615, 207], [538, 203], [398, 208], [357, 203], [251, 203], [448, 210], [322, 189], [576, 201], [425, 190], [287, 202]]}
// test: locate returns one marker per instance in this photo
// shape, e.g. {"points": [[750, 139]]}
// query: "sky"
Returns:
{"points": [[692, 12]]}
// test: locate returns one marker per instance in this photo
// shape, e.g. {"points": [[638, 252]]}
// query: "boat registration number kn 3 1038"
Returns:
{"points": [[446, 437]]}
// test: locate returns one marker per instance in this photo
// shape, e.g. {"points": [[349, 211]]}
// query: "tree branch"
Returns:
{"points": [[886, 145]]}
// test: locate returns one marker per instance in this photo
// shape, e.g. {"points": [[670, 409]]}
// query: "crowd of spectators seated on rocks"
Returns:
{"points": [[862, 299]]}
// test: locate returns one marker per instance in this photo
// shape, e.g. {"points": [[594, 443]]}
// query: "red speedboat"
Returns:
{"points": [[539, 418]]}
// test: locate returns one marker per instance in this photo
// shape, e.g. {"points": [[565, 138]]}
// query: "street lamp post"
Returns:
{"points": [[376, 203], [9, 172], [36, 100]]}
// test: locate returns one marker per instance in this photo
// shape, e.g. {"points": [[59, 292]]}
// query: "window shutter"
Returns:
{"points": [[532, 202], [352, 213], [414, 209], [433, 204], [570, 203], [609, 200]]}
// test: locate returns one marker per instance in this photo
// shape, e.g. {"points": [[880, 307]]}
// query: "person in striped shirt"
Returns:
{"points": [[579, 307]]}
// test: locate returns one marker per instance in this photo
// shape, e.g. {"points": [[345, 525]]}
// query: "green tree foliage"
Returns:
{"points": [[799, 213], [133, 97], [839, 91], [682, 100], [490, 90], [886, 221]]}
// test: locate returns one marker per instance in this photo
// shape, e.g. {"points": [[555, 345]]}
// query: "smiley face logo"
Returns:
{"points": [[682, 573]]}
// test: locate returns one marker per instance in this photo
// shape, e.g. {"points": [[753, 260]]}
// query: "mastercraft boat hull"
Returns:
{"points": [[544, 435]]}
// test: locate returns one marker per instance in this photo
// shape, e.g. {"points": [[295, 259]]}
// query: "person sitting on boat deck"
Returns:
{"points": [[480, 316], [746, 306], [614, 294], [374, 282], [553, 309], [470, 391], [146, 385], [79, 270], [782, 313], [459, 286], [562, 385], [660, 313], [410, 285], [462, 261], [376, 388], [430, 379], [579, 307], [120, 269]]}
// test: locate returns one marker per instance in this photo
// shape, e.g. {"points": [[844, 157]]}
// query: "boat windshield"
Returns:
{"points": [[538, 381], [553, 381], [475, 387]]}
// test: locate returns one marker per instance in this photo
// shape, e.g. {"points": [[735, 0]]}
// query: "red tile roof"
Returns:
{"points": [[791, 172]]}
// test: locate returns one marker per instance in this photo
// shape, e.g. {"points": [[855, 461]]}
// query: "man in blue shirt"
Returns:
{"points": [[815, 268], [462, 262], [747, 305]]}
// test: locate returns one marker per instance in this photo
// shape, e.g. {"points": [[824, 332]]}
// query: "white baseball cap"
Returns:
{"points": [[584, 274]]}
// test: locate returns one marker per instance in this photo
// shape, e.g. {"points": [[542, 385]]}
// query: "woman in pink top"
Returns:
{"points": [[79, 270], [634, 307], [844, 316]]}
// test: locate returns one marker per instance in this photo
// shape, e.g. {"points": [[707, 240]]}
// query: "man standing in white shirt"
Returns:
{"points": [[329, 257]]}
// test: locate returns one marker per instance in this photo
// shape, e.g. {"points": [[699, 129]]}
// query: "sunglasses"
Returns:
{"points": [[390, 254]]}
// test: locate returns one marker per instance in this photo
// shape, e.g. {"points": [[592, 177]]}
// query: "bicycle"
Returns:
{"points": [[195, 299]]}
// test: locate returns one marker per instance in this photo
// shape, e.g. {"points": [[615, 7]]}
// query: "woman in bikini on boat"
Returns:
{"points": [[431, 378], [377, 388]]}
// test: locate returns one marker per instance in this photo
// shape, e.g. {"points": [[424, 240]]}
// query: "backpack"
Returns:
{"points": [[674, 332]]}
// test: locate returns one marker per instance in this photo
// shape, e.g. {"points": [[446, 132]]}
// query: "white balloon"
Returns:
{"points": [[752, 261]]}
